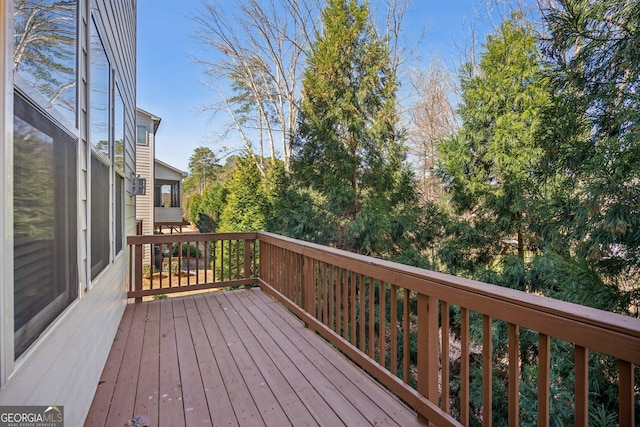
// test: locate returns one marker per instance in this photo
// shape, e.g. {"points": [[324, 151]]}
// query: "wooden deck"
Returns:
{"points": [[232, 358]]}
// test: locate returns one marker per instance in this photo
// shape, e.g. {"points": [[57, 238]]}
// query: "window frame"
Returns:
{"points": [[14, 84], [146, 135], [101, 245]]}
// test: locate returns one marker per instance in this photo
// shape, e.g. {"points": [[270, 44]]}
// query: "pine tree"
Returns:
{"points": [[488, 166], [594, 145], [349, 156]]}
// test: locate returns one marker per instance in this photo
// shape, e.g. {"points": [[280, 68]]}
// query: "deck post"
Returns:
{"points": [[138, 271], [428, 357], [308, 278]]}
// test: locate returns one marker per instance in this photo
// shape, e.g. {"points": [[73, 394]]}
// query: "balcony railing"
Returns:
{"points": [[370, 308]]}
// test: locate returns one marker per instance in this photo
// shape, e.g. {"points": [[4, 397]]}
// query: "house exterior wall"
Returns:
{"points": [[167, 174], [168, 215], [64, 364], [144, 169]]}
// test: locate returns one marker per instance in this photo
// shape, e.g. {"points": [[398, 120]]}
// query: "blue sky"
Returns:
{"points": [[169, 81]]}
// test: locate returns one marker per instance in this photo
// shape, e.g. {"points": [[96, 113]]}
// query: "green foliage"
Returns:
{"points": [[489, 164], [348, 161], [187, 250], [596, 67], [203, 168], [148, 270], [247, 206]]}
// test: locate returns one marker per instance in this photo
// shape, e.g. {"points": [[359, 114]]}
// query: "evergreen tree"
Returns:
{"points": [[246, 207], [488, 166], [594, 143], [203, 169], [348, 160]]}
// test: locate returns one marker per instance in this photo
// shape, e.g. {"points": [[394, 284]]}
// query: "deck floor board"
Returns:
{"points": [[232, 358]]}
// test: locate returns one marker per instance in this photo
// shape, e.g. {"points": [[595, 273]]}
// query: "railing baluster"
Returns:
{"points": [[544, 379], [230, 255], [581, 396], [246, 264], [444, 306], [406, 335], [338, 295], [362, 341], [487, 371], [372, 340], [393, 325], [214, 258], [464, 366], [205, 261], [353, 290], [325, 303], [237, 259], [332, 305], [514, 375], [382, 324], [626, 406], [318, 286], [198, 256], [345, 304], [188, 263]]}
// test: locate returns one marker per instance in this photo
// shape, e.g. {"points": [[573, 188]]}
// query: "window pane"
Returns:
{"points": [[99, 215], [167, 195], [119, 212], [100, 140], [141, 135], [45, 235], [45, 52], [99, 108], [118, 130]]}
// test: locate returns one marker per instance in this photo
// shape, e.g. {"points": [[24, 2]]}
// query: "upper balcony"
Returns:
{"points": [[425, 339]]}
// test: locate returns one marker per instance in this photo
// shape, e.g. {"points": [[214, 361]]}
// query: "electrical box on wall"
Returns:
{"points": [[139, 186]]}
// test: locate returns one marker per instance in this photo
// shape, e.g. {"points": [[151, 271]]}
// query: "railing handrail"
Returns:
{"points": [[191, 237], [504, 299]]}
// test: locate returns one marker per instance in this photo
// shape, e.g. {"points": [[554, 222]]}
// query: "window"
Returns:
{"points": [[141, 135], [101, 143], [119, 159], [45, 234], [45, 54], [44, 165], [167, 195], [118, 130], [119, 190]]}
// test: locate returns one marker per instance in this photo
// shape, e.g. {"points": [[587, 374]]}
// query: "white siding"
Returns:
{"points": [[168, 174], [64, 365], [165, 215], [144, 169]]}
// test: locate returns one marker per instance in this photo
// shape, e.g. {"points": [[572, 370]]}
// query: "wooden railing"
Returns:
{"points": [[374, 310], [190, 262]]}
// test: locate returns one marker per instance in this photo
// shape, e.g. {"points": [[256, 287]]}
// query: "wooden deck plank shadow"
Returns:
{"points": [[232, 358]]}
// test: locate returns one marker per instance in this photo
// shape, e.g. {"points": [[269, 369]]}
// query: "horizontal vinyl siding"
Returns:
{"points": [[64, 365], [144, 203], [165, 215]]}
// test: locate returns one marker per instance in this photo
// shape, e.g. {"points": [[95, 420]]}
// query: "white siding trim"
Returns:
{"points": [[6, 190]]}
